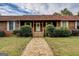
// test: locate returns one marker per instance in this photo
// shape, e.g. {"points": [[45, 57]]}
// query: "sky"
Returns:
{"points": [[36, 8]]}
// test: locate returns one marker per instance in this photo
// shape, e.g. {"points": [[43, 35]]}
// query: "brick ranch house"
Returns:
{"points": [[38, 22]]}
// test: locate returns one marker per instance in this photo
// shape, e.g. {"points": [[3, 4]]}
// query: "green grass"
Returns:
{"points": [[67, 46], [13, 46]]}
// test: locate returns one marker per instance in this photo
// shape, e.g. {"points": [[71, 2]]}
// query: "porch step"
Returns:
{"points": [[38, 34]]}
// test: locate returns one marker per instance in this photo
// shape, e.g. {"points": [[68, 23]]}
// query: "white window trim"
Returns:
{"points": [[67, 24], [8, 26], [75, 24], [13, 25]]}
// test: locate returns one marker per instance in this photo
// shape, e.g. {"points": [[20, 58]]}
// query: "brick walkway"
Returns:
{"points": [[37, 47]]}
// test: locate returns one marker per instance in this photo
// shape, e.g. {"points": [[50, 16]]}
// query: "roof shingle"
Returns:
{"points": [[38, 18]]}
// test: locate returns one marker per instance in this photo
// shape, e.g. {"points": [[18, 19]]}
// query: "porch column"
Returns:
{"points": [[45, 23], [33, 27], [25, 23], [30, 24], [19, 24], [57, 24], [42, 27]]}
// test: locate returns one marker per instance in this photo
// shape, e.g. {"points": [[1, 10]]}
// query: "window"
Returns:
{"points": [[77, 24], [11, 26], [38, 24], [28, 23], [48, 22], [64, 24]]}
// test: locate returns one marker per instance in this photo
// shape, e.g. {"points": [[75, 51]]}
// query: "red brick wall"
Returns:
{"points": [[71, 24], [3, 25]]}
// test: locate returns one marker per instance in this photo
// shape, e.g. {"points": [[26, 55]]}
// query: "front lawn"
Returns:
{"points": [[67, 46], [13, 46]]}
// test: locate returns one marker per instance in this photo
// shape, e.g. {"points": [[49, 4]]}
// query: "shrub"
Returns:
{"points": [[49, 29], [57, 33], [52, 32], [2, 33], [15, 31], [75, 32], [62, 33], [25, 31]]}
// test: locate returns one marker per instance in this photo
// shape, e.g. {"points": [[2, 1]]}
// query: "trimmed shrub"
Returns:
{"points": [[49, 29], [15, 31], [62, 33], [2, 33], [57, 33], [75, 32], [25, 31]]}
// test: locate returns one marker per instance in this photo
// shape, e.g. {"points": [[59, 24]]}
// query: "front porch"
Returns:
{"points": [[38, 27]]}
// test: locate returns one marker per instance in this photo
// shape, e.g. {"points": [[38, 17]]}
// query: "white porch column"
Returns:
{"points": [[46, 24], [30, 24], [67, 24], [25, 23], [61, 23]]}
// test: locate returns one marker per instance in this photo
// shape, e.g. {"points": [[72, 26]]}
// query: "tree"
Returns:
{"points": [[66, 12], [56, 14]]}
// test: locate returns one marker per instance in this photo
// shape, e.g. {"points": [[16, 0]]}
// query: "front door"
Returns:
{"points": [[38, 27]]}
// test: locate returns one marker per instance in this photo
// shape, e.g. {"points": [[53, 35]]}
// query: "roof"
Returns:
{"points": [[38, 18]]}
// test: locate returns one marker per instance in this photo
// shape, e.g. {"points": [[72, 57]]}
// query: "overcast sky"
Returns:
{"points": [[37, 8], [53, 7]]}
